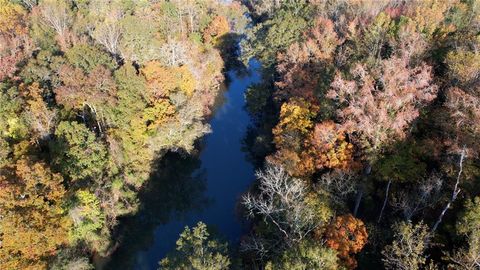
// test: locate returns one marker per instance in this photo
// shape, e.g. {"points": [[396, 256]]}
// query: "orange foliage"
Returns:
{"points": [[33, 223], [216, 29], [304, 147], [164, 80], [347, 235], [330, 148]]}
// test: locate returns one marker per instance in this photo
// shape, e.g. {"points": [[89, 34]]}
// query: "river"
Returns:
{"points": [[185, 190]]}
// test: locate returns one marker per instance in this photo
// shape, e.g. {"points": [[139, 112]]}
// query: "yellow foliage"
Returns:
{"points": [[33, 223], [163, 80], [463, 65], [158, 114], [216, 29], [296, 122], [295, 117], [429, 15], [11, 18]]}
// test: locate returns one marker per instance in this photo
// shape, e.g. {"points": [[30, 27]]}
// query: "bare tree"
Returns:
{"points": [[281, 201], [455, 192], [108, 34], [384, 200], [339, 184], [29, 3], [173, 53], [423, 196], [56, 14]]}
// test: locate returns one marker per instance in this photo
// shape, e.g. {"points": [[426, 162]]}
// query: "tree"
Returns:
{"points": [[468, 257], [275, 35], [88, 58], [13, 37], [77, 153], [95, 92], [330, 148], [463, 119], [162, 81], [40, 118], [296, 122], [377, 112], [11, 106], [57, 15], [173, 53], [138, 43], [305, 255], [12, 18], [33, 224], [197, 250], [283, 202], [347, 235], [88, 221], [407, 249], [218, 27]]}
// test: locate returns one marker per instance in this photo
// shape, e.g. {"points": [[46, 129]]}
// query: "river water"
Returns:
{"points": [[185, 190]]}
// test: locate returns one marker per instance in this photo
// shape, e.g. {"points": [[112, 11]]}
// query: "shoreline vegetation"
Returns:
{"points": [[93, 93]]}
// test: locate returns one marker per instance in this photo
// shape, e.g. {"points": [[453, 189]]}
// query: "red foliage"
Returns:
{"points": [[78, 89]]}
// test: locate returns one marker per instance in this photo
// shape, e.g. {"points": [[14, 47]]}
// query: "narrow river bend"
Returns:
{"points": [[186, 190]]}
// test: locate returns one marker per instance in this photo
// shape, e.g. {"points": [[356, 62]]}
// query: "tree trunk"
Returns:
{"points": [[456, 191], [384, 201], [357, 201]]}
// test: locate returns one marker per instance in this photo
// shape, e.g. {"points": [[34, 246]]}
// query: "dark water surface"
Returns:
{"points": [[186, 190]]}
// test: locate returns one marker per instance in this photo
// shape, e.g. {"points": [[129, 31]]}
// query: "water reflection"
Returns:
{"points": [[178, 196], [176, 188]]}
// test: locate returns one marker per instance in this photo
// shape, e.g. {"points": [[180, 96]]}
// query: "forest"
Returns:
{"points": [[364, 134]]}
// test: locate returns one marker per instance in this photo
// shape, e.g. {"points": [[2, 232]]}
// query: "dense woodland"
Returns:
{"points": [[92, 93], [368, 118], [366, 128]]}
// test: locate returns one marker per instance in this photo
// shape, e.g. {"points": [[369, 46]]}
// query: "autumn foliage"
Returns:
{"points": [[33, 223], [347, 235], [218, 27]]}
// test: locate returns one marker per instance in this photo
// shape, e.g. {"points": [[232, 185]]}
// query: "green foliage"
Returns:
{"points": [[88, 57], [306, 255], [11, 105], [88, 218], [43, 69], [470, 220], [275, 35], [138, 39], [407, 249], [404, 165], [131, 95], [197, 250], [4, 152], [466, 257], [77, 153]]}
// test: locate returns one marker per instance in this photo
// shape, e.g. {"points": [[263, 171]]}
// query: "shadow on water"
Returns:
{"points": [[177, 187], [186, 190]]}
